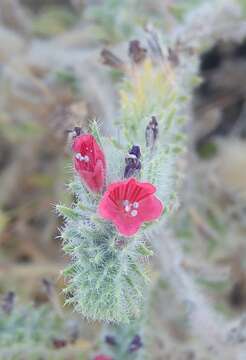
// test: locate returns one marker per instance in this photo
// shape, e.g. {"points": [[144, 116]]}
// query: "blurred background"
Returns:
{"points": [[51, 79]]}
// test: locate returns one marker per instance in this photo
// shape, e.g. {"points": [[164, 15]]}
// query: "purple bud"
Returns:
{"points": [[154, 45], [173, 56], [59, 343], [136, 344], [48, 286], [110, 59], [133, 163], [8, 302], [136, 53], [135, 150], [151, 132], [110, 340], [76, 131]]}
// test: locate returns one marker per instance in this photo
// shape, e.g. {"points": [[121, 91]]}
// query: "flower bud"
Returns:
{"points": [[133, 163], [136, 53], [151, 132], [136, 344], [110, 340], [89, 161]]}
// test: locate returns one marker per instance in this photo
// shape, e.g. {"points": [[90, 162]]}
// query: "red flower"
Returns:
{"points": [[128, 204], [89, 161], [102, 357]]}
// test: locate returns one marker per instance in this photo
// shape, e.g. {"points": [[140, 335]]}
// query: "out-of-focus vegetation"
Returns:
{"points": [[50, 80]]}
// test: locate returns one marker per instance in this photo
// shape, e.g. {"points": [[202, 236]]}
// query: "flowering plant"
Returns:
{"points": [[108, 229]]}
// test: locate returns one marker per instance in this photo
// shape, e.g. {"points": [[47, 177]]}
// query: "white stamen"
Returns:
{"points": [[136, 205], [134, 213], [127, 208], [125, 202], [78, 156]]}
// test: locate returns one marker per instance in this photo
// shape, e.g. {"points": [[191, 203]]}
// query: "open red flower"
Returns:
{"points": [[102, 357], [128, 204], [89, 161]]}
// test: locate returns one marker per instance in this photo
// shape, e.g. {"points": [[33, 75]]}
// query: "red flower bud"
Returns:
{"points": [[89, 161]]}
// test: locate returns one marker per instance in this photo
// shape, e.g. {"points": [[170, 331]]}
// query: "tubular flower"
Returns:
{"points": [[89, 161], [128, 204]]}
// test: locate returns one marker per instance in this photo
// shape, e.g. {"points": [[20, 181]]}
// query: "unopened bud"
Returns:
{"points": [[151, 132], [136, 344], [110, 59], [136, 52], [76, 131], [110, 340], [133, 163]]}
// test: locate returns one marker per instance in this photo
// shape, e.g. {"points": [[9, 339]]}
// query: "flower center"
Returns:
{"points": [[130, 208], [80, 157]]}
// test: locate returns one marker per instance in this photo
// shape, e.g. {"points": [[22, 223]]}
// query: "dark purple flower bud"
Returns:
{"points": [[76, 131], [154, 45], [173, 56], [59, 343], [151, 132], [136, 344], [136, 53], [110, 59], [110, 340], [133, 163], [8, 302]]}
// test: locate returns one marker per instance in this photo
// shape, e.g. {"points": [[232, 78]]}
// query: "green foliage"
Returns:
{"points": [[115, 20], [66, 77], [30, 332], [38, 332], [29, 325], [182, 8], [104, 16], [242, 3], [53, 21], [207, 151]]}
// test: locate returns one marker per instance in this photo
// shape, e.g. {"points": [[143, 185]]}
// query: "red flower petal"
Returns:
{"points": [[150, 208], [128, 204]]}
